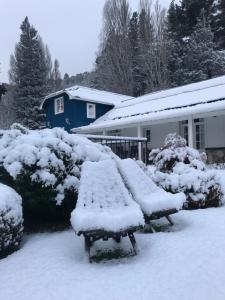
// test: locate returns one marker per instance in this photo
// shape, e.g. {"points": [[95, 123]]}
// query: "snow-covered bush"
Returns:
{"points": [[175, 150], [182, 169], [43, 166], [11, 220]]}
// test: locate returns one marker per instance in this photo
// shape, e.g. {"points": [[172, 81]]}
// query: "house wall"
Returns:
{"points": [[159, 133], [74, 115], [215, 132], [215, 139]]}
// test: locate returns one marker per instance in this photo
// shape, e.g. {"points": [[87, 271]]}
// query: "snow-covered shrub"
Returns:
{"points": [[43, 166], [11, 220], [175, 150], [180, 168]]}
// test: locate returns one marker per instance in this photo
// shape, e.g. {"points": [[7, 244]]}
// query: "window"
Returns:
{"points": [[184, 130], [116, 132], [199, 134], [91, 112], [59, 105], [148, 135]]}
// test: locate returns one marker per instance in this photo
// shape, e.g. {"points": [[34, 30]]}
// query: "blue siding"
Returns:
{"points": [[75, 111]]}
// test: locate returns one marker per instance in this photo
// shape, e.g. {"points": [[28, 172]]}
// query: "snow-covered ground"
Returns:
{"points": [[188, 263]]}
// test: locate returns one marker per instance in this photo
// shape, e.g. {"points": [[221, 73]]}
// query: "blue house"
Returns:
{"points": [[78, 106]]}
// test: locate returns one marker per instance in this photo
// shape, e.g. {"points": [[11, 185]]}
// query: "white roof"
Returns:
{"points": [[91, 95], [196, 98]]}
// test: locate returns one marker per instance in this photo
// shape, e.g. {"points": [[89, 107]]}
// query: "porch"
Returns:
{"points": [[123, 146], [204, 132]]}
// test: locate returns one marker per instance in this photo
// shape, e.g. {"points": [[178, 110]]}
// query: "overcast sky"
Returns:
{"points": [[71, 29]]}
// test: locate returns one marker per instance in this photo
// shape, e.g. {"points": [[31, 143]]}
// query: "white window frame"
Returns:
{"points": [[184, 130], [59, 105], [148, 135], [91, 115], [199, 134]]}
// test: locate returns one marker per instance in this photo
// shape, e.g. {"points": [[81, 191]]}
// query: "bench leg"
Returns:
{"points": [[170, 220], [149, 227], [133, 242], [117, 239], [87, 245]]}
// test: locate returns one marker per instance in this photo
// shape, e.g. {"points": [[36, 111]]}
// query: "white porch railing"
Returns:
{"points": [[123, 146]]}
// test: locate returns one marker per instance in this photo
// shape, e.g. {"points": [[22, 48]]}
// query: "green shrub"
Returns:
{"points": [[43, 166], [180, 168], [11, 221]]}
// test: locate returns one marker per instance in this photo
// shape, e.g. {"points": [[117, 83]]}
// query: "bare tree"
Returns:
{"points": [[160, 47], [113, 64]]}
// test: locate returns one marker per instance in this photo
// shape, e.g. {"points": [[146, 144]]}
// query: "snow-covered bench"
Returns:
{"points": [[154, 201], [105, 209]]}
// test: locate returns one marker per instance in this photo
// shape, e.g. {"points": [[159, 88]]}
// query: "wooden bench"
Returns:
{"points": [[105, 209], [154, 201]]}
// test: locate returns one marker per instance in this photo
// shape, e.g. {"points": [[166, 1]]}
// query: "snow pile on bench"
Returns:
{"points": [[104, 203], [11, 219], [148, 195]]}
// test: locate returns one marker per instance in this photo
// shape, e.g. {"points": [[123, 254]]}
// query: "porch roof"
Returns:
{"points": [[206, 97]]}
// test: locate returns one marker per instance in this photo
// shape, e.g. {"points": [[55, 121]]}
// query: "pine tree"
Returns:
{"points": [[29, 74], [135, 55], [184, 16], [202, 61], [2, 90], [219, 24], [175, 45]]}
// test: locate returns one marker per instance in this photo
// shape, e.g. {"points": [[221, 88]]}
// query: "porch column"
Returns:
{"points": [[190, 132], [104, 132], [139, 134]]}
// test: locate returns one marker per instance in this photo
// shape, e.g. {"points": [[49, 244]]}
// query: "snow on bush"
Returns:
{"points": [[180, 168], [175, 150], [11, 220], [44, 165]]}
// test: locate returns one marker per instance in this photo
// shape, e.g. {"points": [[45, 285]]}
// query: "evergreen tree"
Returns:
{"points": [[175, 45], [66, 80], [202, 61], [135, 55], [219, 24], [184, 16], [30, 75], [2, 90]]}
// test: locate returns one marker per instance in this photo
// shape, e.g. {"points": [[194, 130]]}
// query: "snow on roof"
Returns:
{"points": [[103, 202], [190, 99], [92, 95]]}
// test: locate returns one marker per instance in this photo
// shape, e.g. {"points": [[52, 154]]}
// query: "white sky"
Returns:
{"points": [[71, 29]]}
